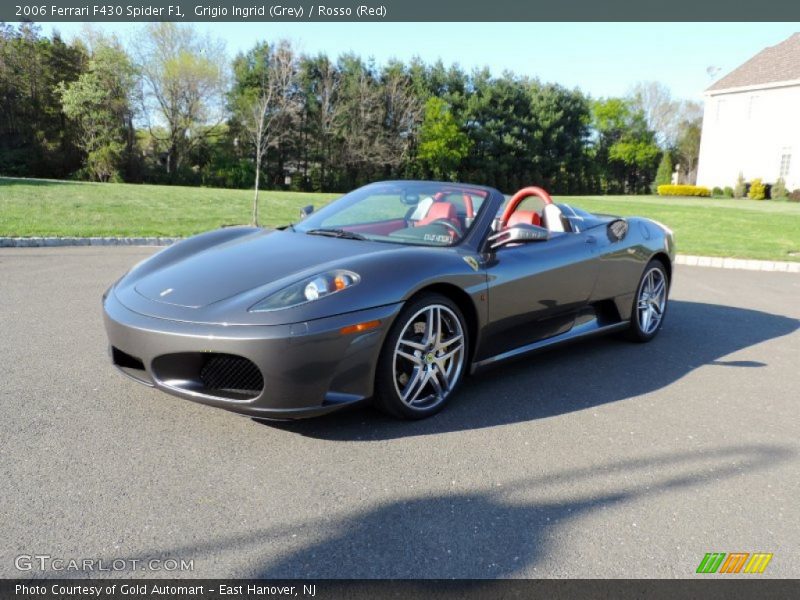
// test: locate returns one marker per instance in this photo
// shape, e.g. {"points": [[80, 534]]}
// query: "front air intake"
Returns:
{"points": [[214, 374], [231, 374]]}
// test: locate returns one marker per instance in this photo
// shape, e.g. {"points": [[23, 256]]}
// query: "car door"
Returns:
{"points": [[537, 288]]}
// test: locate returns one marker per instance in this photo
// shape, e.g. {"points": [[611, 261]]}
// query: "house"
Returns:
{"points": [[751, 123]]}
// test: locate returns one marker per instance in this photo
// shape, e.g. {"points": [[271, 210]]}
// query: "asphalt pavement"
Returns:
{"points": [[600, 459]]}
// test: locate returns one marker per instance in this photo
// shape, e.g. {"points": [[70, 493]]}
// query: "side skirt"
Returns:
{"points": [[584, 330]]}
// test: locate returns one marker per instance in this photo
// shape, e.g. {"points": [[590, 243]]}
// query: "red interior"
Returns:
{"points": [[440, 210], [529, 217]]}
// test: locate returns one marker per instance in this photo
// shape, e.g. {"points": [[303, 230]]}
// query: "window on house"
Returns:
{"points": [[786, 160]]}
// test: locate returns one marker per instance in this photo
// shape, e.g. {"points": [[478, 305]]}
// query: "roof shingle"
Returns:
{"points": [[772, 65]]}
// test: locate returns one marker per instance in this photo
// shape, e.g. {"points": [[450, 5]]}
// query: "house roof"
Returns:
{"points": [[772, 65]]}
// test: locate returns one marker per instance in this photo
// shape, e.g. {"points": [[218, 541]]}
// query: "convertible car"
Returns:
{"points": [[394, 292]]}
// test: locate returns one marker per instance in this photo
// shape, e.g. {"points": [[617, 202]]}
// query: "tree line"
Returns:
{"points": [[169, 107]]}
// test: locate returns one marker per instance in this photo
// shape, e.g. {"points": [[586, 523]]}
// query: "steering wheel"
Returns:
{"points": [[455, 232], [517, 199]]}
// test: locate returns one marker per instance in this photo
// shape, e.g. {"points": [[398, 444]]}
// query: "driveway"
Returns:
{"points": [[600, 459]]}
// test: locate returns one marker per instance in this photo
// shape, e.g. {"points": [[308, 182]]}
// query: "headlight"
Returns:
{"points": [[308, 290]]}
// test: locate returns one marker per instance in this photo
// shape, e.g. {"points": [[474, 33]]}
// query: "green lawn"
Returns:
{"points": [[59, 208], [764, 229], [704, 226]]}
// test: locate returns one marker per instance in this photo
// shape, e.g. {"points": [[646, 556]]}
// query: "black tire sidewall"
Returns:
{"points": [[386, 397]]}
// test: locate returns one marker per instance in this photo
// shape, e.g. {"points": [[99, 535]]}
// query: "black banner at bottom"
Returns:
{"points": [[233, 589]]}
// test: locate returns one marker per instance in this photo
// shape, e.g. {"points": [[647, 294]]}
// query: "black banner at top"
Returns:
{"points": [[398, 10]]}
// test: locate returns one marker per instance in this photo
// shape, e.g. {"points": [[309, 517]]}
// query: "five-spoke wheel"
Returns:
{"points": [[650, 303], [423, 358]]}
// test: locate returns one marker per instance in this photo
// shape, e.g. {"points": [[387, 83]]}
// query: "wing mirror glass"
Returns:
{"points": [[518, 234], [306, 210]]}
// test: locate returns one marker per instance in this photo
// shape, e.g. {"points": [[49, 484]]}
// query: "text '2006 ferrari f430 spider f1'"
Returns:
{"points": [[394, 292]]}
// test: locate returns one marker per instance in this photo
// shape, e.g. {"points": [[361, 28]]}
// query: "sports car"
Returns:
{"points": [[393, 293]]}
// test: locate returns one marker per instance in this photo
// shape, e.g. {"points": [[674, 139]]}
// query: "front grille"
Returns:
{"points": [[232, 374]]}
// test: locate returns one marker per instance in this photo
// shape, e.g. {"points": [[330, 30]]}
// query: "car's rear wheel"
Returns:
{"points": [[650, 303], [423, 358]]}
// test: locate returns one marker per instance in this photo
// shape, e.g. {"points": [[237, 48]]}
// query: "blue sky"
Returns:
{"points": [[603, 59]]}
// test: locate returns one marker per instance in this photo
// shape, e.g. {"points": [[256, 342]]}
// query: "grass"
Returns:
{"points": [[703, 226], [767, 229], [59, 208]]}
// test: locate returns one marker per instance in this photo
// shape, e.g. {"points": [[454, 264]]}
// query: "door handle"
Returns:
{"points": [[590, 239]]}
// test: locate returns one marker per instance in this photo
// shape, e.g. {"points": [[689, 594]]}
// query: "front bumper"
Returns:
{"points": [[308, 368]]}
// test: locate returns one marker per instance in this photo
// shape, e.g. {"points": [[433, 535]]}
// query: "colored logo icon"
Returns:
{"points": [[734, 562]]}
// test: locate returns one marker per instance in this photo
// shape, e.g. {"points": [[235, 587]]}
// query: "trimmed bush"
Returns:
{"points": [[741, 187], [717, 191], [728, 192], [779, 190], [683, 190], [758, 191], [794, 196]]}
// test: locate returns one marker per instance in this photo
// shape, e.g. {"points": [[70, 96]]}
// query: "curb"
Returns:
{"points": [[54, 242], [717, 262], [742, 264]]}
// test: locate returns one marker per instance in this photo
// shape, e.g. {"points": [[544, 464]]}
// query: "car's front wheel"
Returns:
{"points": [[423, 358], [650, 303]]}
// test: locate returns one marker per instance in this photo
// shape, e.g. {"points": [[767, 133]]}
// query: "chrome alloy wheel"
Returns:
{"points": [[428, 357], [652, 300]]}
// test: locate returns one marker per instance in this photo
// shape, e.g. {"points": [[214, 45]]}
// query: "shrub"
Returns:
{"points": [[683, 190], [758, 190], [795, 196], [728, 192], [741, 187], [717, 191], [779, 189], [664, 173]]}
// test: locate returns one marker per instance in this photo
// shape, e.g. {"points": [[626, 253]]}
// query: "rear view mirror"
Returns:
{"points": [[306, 210], [410, 199], [518, 234]]}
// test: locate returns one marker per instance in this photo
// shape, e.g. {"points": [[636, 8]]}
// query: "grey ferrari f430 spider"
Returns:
{"points": [[394, 292]]}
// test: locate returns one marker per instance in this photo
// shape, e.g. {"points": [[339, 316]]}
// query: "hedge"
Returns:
{"points": [[683, 190]]}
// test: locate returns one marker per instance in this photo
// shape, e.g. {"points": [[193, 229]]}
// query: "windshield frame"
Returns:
{"points": [[315, 220]]}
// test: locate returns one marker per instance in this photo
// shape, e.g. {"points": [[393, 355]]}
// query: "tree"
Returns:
{"points": [[625, 148], [442, 145], [100, 102], [184, 83], [664, 173], [402, 114], [265, 100], [660, 111], [687, 147], [36, 140], [320, 82]]}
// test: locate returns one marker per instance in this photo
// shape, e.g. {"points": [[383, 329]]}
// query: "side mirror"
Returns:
{"points": [[616, 230], [306, 210], [518, 234]]}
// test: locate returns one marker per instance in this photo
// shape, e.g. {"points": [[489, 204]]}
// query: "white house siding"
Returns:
{"points": [[751, 131]]}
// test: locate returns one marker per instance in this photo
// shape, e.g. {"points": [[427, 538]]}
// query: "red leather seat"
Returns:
{"points": [[529, 217], [440, 210]]}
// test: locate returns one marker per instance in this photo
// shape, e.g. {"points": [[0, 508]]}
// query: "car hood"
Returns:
{"points": [[246, 263]]}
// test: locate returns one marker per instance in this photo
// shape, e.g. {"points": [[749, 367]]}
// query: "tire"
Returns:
{"points": [[417, 373], [650, 303]]}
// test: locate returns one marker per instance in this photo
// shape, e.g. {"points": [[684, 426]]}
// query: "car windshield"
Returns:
{"points": [[417, 213]]}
